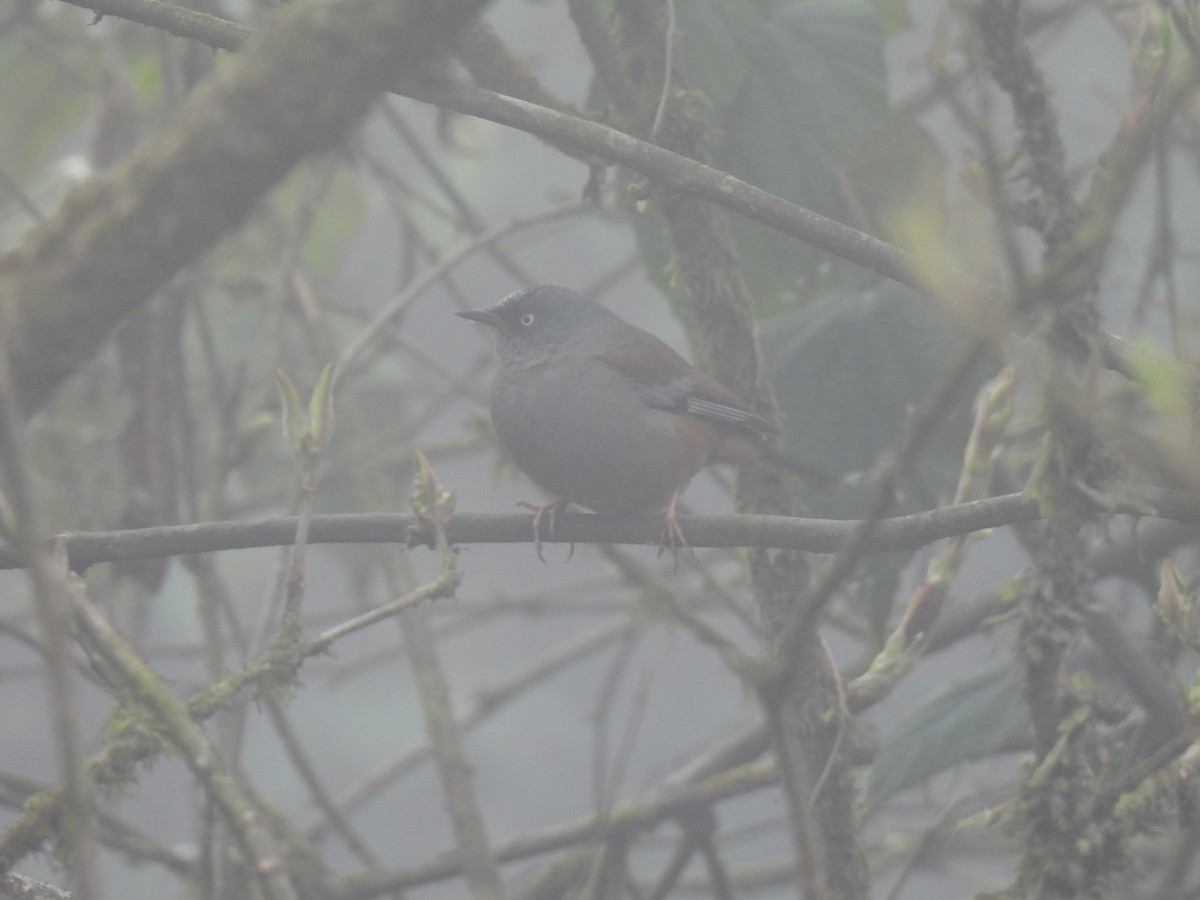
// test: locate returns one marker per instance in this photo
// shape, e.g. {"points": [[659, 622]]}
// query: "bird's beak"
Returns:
{"points": [[486, 316]]}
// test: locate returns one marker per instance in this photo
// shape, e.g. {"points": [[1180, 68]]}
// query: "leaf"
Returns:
{"points": [[848, 370], [807, 83], [973, 718], [1166, 383], [433, 504], [797, 97], [794, 87], [320, 408], [295, 428]]}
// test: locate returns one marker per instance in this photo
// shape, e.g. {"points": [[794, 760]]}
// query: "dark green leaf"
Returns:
{"points": [[848, 370], [973, 718]]}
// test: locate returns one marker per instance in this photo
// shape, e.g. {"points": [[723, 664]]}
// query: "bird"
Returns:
{"points": [[598, 412]]}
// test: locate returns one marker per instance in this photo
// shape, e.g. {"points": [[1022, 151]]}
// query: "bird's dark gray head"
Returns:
{"points": [[543, 321]]}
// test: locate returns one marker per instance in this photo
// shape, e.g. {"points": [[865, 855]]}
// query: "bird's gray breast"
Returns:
{"points": [[584, 434]]}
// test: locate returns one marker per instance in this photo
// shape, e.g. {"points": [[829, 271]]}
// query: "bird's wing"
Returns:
{"points": [[711, 400], [665, 380]]}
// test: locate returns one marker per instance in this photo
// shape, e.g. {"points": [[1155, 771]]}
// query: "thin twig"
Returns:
{"points": [[668, 66], [637, 815], [171, 716], [398, 303], [495, 697], [21, 524]]}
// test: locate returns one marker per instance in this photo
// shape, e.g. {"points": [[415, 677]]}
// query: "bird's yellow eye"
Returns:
{"points": [[528, 319]]}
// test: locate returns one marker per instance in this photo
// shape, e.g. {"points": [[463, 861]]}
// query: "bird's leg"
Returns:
{"points": [[545, 510], [671, 535]]}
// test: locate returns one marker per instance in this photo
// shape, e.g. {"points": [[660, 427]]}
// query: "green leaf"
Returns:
{"points": [[1166, 383], [794, 86], [320, 408], [295, 428], [432, 503], [807, 82], [848, 370], [797, 97], [973, 718]]}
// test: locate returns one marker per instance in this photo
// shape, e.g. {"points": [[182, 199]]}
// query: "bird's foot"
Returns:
{"points": [[546, 511], [672, 536]]}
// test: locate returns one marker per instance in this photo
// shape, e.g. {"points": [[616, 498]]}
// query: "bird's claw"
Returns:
{"points": [[672, 535], [545, 511]]}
